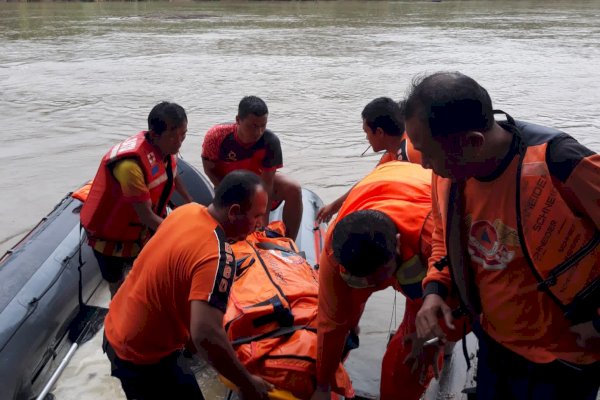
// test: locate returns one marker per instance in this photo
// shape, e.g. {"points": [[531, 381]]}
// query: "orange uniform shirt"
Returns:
{"points": [[402, 191], [515, 313], [187, 259]]}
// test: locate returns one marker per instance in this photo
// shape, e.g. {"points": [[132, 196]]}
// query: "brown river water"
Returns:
{"points": [[75, 78]]}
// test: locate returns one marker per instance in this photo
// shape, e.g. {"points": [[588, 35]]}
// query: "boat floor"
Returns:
{"points": [[88, 373]]}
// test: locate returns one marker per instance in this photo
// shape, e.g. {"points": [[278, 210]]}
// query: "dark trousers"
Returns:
{"points": [[504, 375], [113, 268], [170, 378]]}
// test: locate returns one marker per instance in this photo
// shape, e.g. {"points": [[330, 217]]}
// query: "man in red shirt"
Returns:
{"points": [[176, 296], [248, 144], [516, 211]]}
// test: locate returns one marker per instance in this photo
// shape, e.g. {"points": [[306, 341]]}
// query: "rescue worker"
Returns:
{"points": [[248, 144], [380, 238], [129, 195], [176, 295], [516, 208], [384, 127]]}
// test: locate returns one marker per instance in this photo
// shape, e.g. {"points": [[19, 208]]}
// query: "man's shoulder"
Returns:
{"points": [[194, 214], [269, 138], [270, 135], [127, 163], [215, 139], [563, 154], [564, 146], [220, 131]]}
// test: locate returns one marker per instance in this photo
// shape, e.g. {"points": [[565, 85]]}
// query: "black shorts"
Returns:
{"points": [[170, 378], [113, 268]]}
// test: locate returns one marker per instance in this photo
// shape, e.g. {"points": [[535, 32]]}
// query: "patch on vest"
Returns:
{"points": [[151, 158], [488, 245], [126, 145]]}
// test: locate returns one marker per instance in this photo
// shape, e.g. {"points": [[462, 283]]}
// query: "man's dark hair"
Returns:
{"points": [[450, 103], [252, 105], [238, 187], [364, 241], [166, 113], [386, 114]]}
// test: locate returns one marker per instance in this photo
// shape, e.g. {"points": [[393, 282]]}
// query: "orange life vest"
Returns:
{"points": [[83, 192], [561, 248], [106, 215], [272, 310], [402, 191]]}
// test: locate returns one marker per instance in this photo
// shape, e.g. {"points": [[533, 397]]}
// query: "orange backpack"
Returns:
{"points": [[271, 316]]}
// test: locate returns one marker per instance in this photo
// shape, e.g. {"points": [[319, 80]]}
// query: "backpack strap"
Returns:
{"points": [[272, 334], [275, 246]]}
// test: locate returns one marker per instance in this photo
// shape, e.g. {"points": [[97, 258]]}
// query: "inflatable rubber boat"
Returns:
{"points": [[49, 276]]}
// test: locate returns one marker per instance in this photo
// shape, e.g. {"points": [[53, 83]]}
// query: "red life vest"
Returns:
{"points": [[106, 214], [561, 248]]}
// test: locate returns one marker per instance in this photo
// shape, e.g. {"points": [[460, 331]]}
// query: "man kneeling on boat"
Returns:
{"points": [[176, 295], [129, 195], [248, 144], [381, 238]]}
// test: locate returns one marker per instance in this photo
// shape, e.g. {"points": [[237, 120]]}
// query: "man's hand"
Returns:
{"points": [[420, 357], [427, 318], [321, 394], [257, 389], [586, 334], [326, 212]]}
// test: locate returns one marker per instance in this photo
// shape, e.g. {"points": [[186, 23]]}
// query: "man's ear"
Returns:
{"points": [[153, 136], [233, 212], [379, 131], [237, 119], [474, 139]]}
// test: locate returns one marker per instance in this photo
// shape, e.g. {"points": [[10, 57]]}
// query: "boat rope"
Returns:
{"points": [[392, 317]]}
